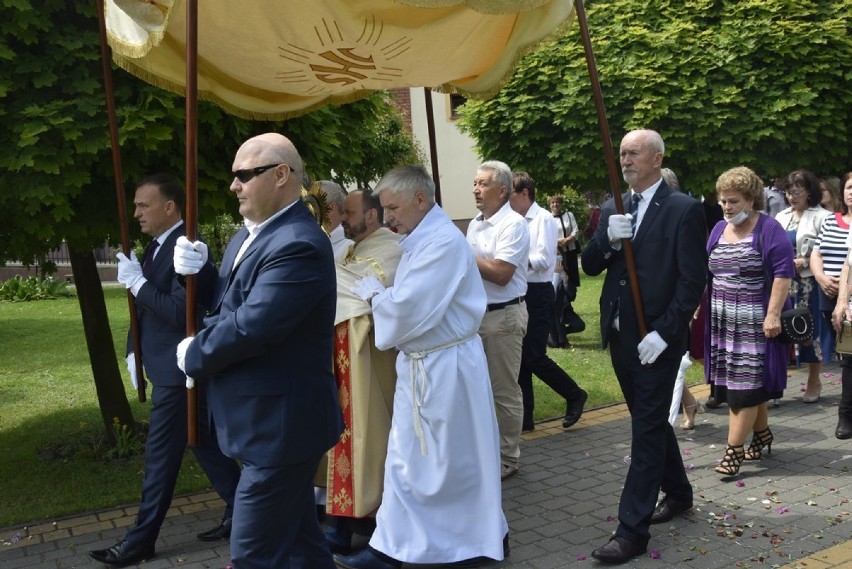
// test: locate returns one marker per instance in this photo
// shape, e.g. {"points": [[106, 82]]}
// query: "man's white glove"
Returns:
{"points": [[368, 287], [620, 227], [130, 272], [651, 347], [189, 257], [131, 367], [181, 352]]}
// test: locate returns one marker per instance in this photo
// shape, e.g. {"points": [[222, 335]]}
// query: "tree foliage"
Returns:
{"points": [[57, 169], [762, 83], [56, 166]]}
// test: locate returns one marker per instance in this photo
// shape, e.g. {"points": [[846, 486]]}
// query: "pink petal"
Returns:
{"points": [[740, 483], [654, 554], [581, 557]]}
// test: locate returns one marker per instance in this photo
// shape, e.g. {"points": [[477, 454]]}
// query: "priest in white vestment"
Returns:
{"points": [[442, 497], [365, 375]]}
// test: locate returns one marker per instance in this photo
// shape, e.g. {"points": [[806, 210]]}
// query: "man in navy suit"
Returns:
{"points": [[161, 313], [668, 235], [265, 355]]}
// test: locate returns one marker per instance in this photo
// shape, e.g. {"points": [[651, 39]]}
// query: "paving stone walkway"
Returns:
{"points": [[791, 510]]}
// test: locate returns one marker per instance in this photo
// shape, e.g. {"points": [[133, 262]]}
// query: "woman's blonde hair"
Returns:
{"points": [[744, 181]]}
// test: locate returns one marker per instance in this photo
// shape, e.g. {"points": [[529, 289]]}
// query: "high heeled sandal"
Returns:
{"points": [[730, 465], [761, 439], [689, 412]]}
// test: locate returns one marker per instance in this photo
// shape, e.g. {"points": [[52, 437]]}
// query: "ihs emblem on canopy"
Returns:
{"points": [[336, 59]]}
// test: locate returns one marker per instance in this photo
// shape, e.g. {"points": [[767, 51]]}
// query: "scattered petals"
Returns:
{"points": [[687, 452], [610, 518], [654, 554], [581, 557], [688, 466], [783, 510], [17, 537], [626, 459], [740, 483]]}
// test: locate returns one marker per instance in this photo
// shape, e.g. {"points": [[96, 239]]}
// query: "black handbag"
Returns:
{"points": [[797, 326]]}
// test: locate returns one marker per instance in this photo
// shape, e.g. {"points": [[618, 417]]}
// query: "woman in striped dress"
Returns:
{"points": [[827, 260], [751, 266]]}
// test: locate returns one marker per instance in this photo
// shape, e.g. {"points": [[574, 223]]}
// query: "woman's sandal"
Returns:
{"points": [[689, 412], [730, 465], [761, 439]]}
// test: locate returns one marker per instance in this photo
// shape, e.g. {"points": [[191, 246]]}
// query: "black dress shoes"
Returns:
{"points": [[123, 553], [219, 533], [618, 550], [574, 410], [367, 559], [844, 428], [668, 508]]}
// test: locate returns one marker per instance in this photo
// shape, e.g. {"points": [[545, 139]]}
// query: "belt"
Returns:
{"points": [[502, 305]]}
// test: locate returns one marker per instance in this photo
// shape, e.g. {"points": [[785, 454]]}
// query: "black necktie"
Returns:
{"points": [[634, 211], [150, 251]]}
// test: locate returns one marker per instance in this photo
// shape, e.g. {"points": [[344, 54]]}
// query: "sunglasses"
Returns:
{"points": [[247, 174]]}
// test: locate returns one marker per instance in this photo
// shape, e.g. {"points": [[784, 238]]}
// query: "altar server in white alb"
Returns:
{"points": [[442, 496]]}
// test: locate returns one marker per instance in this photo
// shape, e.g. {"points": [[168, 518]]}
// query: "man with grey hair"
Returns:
{"points": [[500, 241], [667, 232], [442, 498], [335, 196]]}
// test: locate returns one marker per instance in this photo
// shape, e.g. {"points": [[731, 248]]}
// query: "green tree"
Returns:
{"points": [[56, 168], [762, 83]]}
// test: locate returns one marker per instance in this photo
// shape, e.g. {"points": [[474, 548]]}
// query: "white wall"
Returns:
{"points": [[457, 160]]}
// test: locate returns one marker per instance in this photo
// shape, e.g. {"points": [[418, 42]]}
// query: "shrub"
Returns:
{"points": [[19, 289]]}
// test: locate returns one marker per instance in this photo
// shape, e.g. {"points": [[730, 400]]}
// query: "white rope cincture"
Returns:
{"points": [[416, 368]]}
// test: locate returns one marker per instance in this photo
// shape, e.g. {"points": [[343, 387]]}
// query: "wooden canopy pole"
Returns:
{"points": [[191, 195], [433, 145], [120, 198], [615, 186]]}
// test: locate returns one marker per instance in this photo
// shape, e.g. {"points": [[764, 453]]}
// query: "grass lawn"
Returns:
{"points": [[50, 425]]}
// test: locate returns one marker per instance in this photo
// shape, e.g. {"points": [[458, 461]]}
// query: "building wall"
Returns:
{"points": [[457, 159]]}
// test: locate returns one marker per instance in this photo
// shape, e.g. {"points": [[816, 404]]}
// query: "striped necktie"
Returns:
{"points": [[634, 211]]}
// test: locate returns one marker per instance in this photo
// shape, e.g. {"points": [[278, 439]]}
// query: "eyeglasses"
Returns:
{"points": [[795, 193], [247, 174]]}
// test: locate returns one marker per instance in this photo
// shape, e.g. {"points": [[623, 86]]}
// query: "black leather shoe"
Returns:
{"points": [[574, 410], [367, 559], [618, 550], [668, 508], [219, 533], [844, 428], [123, 553]]}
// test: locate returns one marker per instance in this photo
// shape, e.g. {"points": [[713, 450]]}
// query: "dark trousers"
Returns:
{"points": [[534, 359], [164, 451], [275, 520], [845, 407], [655, 461]]}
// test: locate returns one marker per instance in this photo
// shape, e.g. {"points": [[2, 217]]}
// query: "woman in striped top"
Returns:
{"points": [[829, 253]]}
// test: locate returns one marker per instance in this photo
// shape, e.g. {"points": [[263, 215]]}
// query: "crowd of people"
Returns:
{"points": [[377, 378]]}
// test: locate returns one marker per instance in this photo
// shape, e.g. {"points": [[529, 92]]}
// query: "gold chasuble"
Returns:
{"points": [[366, 380]]}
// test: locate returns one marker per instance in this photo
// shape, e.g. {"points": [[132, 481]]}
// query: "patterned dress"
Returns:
{"points": [[736, 359]]}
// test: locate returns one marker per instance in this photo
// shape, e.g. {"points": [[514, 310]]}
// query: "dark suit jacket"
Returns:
{"points": [[671, 263], [266, 348], [161, 314]]}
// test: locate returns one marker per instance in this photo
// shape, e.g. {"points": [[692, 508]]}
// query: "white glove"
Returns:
{"points": [[131, 367], [620, 227], [368, 287], [130, 272], [181, 352], [189, 257], [651, 347]]}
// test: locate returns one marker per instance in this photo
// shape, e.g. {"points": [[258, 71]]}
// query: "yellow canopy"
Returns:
{"points": [[280, 58]]}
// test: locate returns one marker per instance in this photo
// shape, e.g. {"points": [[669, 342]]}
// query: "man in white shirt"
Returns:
{"points": [[500, 241], [540, 297]]}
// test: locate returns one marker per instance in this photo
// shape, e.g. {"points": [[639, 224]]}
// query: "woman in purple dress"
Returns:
{"points": [[751, 265]]}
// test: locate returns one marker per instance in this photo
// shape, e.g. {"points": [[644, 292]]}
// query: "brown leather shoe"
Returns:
{"points": [[668, 508], [618, 550]]}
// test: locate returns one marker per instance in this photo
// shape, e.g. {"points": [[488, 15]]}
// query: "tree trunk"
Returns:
{"points": [[112, 398]]}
